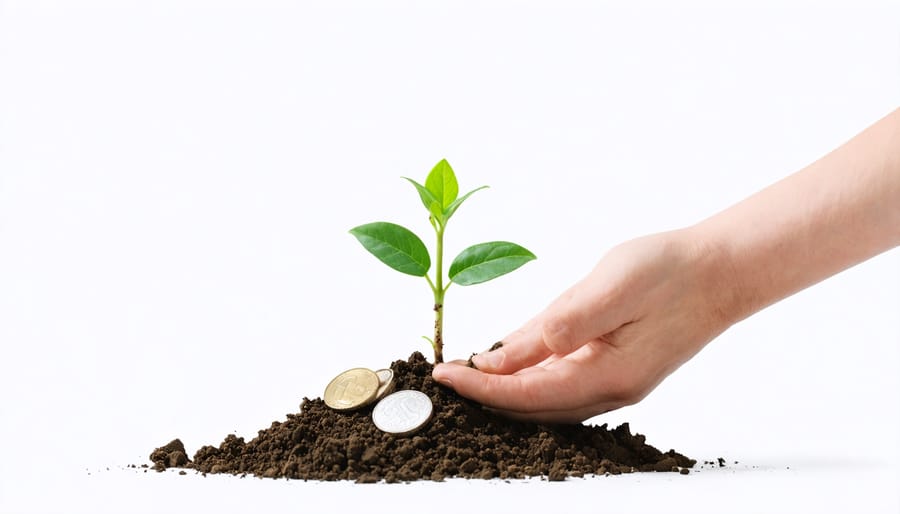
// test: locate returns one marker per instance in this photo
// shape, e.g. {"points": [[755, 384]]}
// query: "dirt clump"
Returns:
{"points": [[171, 455], [461, 440]]}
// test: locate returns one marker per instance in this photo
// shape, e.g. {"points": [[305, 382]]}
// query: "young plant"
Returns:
{"points": [[402, 250]]}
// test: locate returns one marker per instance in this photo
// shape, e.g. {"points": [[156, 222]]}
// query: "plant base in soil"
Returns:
{"points": [[461, 440]]}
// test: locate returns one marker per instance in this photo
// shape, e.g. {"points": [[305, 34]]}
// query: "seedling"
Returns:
{"points": [[401, 249]]}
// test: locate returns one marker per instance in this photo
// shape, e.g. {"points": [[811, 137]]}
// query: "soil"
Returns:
{"points": [[461, 440]]}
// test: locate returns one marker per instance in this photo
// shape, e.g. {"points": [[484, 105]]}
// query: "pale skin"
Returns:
{"points": [[652, 303]]}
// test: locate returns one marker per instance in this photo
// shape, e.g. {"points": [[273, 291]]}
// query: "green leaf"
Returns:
{"points": [[456, 203], [428, 200], [442, 183], [395, 246], [487, 261]]}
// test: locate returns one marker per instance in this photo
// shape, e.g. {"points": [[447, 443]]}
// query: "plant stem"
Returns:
{"points": [[439, 297]]}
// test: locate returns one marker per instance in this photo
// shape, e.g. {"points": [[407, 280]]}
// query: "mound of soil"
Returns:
{"points": [[461, 440]]}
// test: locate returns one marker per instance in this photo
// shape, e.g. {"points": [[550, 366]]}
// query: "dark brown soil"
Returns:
{"points": [[461, 440]]}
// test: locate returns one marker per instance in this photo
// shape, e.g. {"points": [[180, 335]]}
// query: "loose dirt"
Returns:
{"points": [[461, 440]]}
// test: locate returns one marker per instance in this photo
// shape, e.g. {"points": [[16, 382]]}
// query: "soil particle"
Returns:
{"points": [[462, 440]]}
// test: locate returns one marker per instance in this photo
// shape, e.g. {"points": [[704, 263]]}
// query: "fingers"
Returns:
{"points": [[540, 394], [555, 416], [588, 310], [521, 349], [508, 392]]}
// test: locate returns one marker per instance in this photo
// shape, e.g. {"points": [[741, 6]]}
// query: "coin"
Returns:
{"points": [[386, 383], [402, 412], [352, 389]]}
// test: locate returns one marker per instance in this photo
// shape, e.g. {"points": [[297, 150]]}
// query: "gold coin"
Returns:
{"points": [[352, 389]]}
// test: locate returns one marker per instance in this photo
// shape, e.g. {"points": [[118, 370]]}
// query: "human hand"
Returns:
{"points": [[647, 307], [652, 303]]}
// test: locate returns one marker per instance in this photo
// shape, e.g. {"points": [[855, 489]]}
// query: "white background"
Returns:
{"points": [[177, 179]]}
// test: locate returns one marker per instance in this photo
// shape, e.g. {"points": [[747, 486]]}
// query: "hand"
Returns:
{"points": [[647, 307], [652, 303]]}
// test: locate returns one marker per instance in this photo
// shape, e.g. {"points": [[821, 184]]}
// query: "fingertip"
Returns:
{"points": [[520, 349], [448, 373], [489, 361], [441, 373]]}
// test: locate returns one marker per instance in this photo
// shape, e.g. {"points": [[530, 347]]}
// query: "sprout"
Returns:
{"points": [[401, 249]]}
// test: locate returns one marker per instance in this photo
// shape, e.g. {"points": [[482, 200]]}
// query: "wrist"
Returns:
{"points": [[730, 299]]}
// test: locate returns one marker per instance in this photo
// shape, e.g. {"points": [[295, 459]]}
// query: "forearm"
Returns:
{"points": [[839, 211]]}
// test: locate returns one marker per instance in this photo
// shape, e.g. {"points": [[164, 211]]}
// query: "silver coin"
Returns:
{"points": [[385, 383], [402, 412]]}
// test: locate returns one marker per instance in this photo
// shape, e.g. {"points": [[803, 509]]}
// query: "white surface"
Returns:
{"points": [[177, 179]]}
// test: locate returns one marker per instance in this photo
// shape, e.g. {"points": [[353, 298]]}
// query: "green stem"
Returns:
{"points": [[439, 297]]}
